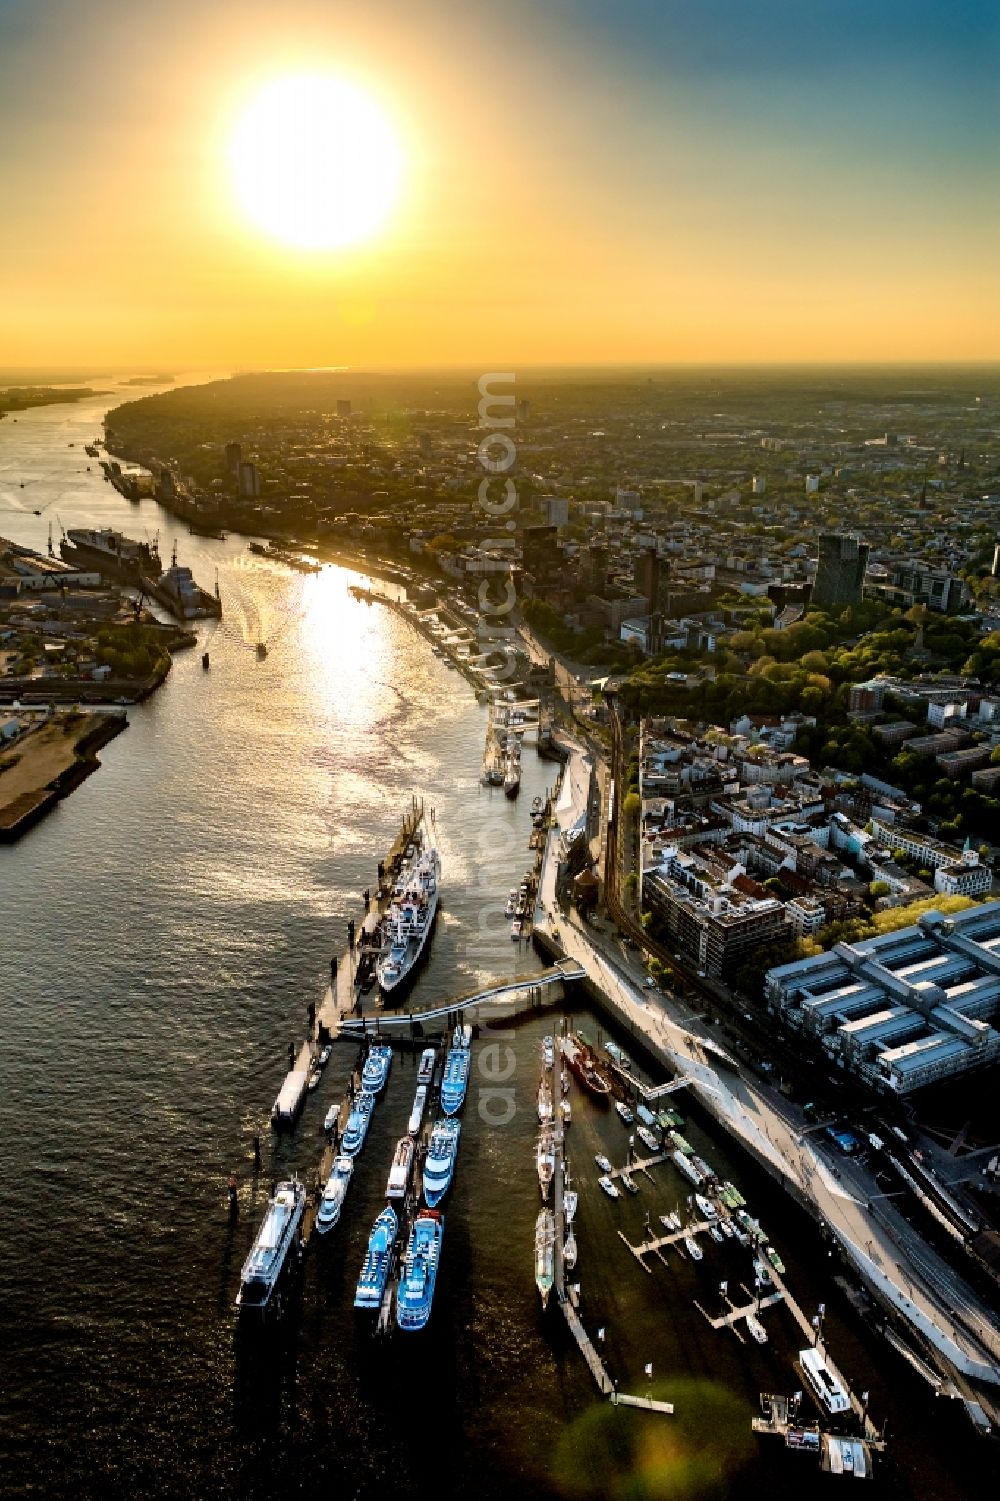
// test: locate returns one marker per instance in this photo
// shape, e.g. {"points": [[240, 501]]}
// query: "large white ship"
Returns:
{"points": [[406, 926], [277, 1236]]}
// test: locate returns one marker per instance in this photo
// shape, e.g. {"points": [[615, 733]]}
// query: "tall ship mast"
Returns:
{"points": [[407, 924]]}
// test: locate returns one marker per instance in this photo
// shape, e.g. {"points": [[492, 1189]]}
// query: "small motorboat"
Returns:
{"points": [[331, 1117], [624, 1112], [313, 1081], [570, 1200], [716, 1234], [569, 1251], [325, 1056], [693, 1249], [602, 1162], [756, 1329], [646, 1136], [611, 1189], [629, 1182], [566, 1110]]}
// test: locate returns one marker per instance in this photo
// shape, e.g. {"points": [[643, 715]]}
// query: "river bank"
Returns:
{"points": [[47, 762]]}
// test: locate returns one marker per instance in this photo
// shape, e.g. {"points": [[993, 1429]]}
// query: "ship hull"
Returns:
{"points": [[402, 986]]}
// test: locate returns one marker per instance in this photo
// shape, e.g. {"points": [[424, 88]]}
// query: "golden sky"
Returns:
{"points": [[649, 182]]}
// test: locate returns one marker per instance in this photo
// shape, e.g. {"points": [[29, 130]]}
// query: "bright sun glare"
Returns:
{"points": [[315, 162]]}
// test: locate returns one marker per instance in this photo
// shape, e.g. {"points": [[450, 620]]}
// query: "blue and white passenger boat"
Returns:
{"points": [[334, 1193], [376, 1069], [378, 1260], [357, 1124], [439, 1164], [276, 1238], [457, 1065], [416, 1285]]}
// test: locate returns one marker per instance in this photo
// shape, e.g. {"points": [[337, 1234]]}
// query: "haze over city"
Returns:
{"points": [[576, 182]]}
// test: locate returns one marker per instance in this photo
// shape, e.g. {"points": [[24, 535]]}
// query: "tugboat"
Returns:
{"points": [[275, 1240], [378, 1260], [416, 1285]]}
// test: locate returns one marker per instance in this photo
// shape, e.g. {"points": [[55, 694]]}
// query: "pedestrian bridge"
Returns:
{"points": [[565, 970]]}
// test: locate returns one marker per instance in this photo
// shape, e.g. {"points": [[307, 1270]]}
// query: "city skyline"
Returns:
{"points": [[655, 186]]}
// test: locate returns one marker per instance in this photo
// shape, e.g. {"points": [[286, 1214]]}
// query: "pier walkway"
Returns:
{"points": [[564, 970], [604, 1383], [737, 1313], [648, 1404]]}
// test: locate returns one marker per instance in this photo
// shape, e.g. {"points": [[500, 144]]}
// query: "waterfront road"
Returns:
{"points": [[888, 1252]]}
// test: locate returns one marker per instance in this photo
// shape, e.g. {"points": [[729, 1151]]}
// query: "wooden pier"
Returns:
{"points": [[648, 1404], [655, 1246], [604, 1383], [736, 1313]]}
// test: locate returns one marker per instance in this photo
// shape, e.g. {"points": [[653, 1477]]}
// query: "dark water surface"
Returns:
{"points": [[162, 933]]}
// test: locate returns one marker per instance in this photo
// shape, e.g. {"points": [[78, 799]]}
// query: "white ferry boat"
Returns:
{"points": [[276, 1238], [455, 1080], [406, 926], [402, 1166], [334, 1193], [439, 1164], [376, 1067], [415, 1294], [378, 1260], [824, 1384], [357, 1124]]}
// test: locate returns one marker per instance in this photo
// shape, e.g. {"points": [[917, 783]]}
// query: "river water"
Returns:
{"points": [[162, 934]]}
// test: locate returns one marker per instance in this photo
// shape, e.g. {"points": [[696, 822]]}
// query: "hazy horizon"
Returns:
{"points": [[658, 184]]}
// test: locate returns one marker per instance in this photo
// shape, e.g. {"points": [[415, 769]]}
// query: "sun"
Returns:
{"points": [[315, 162]]}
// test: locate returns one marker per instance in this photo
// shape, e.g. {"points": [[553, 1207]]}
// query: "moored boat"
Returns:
{"points": [[425, 1069], [277, 1237], [602, 1162], [417, 1112], [570, 1201], [357, 1124], [378, 1260], [334, 1193], [756, 1329], [455, 1080], [407, 924], [693, 1249], [548, 1051], [402, 1166], [545, 1242], [683, 1166], [610, 1188], [570, 1251], [706, 1208], [629, 1182], [624, 1112], [376, 1067], [647, 1138], [545, 1160], [581, 1061], [544, 1103], [439, 1164], [415, 1294]]}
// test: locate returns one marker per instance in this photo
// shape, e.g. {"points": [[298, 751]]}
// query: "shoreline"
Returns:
{"points": [[29, 806]]}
